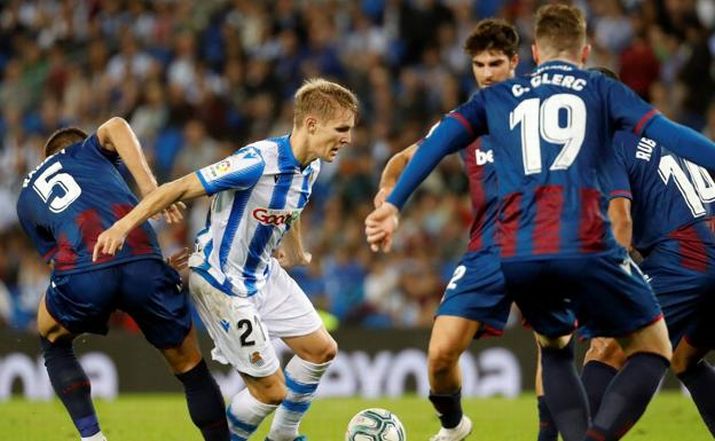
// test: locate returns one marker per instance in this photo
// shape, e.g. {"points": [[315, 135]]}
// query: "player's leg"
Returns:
{"points": [[547, 425], [691, 346], [602, 362], [240, 339], [614, 300], [451, 336], [289, 315], [313, 355], [203, 396], [73, 305], [151, 294], [540, 296], [474, 304]]}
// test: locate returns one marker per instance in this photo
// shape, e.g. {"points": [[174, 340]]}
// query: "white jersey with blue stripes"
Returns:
{"points": [[259, 191]]}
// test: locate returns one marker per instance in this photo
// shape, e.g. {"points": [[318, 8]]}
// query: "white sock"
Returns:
{"points": [[302, 378], [245, 413], [99, 436]]}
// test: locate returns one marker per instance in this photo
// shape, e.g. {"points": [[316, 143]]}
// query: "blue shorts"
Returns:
{"points": [[477, 292], [606, 293], [687, 296], [148, 290]]}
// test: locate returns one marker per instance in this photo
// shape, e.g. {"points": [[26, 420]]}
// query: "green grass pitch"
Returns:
{"points": [[670, 417]]}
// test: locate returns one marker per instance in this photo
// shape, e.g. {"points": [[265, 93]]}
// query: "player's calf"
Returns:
{"points": [[314, 354], [563, 390], [71, 385], [631, 390], [699, 377]]}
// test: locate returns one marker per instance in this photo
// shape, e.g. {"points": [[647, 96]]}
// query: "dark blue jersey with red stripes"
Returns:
{"points": [[69, 199], [671, 197], [479, 165], [551, 131]]}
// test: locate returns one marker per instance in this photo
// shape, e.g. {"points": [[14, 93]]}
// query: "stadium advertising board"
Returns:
{"points": [[370, 364]]}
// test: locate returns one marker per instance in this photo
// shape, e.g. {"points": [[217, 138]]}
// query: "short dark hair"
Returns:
{"points": [[63, 138], [560, 28], [492, 34]]}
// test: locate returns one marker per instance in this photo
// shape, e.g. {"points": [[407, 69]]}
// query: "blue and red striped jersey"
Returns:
{"points": [[670, 196], [479, 165], [551, 133], [69, 199]]}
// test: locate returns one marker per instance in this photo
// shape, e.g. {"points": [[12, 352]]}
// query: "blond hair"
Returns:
{"points": [[560, 28], [323, 99]]}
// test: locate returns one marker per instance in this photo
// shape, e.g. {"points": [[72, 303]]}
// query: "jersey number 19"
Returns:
{"points": [[541, 121]]}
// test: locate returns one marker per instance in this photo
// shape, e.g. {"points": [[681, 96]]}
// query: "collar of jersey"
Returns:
{"points": [[287, 160], [554, 64]]}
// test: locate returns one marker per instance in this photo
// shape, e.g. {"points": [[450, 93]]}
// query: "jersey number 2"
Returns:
{"points": [[51, 179], [541, 121]]}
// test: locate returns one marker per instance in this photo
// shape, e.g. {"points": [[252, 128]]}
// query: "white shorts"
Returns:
{"points": [[242, 327]]}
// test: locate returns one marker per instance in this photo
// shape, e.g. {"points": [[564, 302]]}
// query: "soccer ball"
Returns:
{"points": [[375, 425]]}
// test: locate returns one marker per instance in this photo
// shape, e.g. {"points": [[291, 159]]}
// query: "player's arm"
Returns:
{"points": [[452, 134], [682, 141], [237, 172], [291, 251], [393, 169], [182, 189], [619, 212], [630, 111], [116, 135]]}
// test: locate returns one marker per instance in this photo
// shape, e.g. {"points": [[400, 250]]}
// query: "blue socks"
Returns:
{"points": [[547, 426], [205, 402], [596, 377], [564, 393], [700, 381], [448, 407], [627, 396], [71, 384]]}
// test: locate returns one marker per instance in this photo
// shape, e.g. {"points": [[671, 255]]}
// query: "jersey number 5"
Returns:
{"points": [[51, 179], [542, 121]]}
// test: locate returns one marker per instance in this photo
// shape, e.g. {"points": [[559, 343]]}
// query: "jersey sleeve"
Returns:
{"points": [[237, 172], [628, 111], [618, 184], [92, 146], [40, 235], [452, 134]]}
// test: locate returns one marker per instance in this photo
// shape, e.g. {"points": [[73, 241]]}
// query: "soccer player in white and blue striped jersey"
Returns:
{"points": [[242, 293]]}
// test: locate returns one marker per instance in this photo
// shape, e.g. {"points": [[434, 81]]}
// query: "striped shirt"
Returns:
{"points": [[259, 191]]}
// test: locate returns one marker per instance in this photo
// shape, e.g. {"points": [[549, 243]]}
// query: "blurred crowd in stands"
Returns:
{"points": [[199, 79]]}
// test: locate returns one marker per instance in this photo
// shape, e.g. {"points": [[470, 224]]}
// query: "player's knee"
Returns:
{"points": [[330, 351], [441, 358], [274, 394], [606, 351]]}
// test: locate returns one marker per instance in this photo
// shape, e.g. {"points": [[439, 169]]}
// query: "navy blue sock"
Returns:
{"points": [[564, 392], [206, 406], [596, 377], [700, 381], [627, 396], [547, 426], [449, 408], [71, 384]]}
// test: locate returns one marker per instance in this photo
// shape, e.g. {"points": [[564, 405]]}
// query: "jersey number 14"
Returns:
{"points": [[697, 190], [541, 121]]}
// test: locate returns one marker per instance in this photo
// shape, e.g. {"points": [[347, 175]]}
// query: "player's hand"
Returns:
{"points": [[172, 214], [380, 225], [109, 242], [179, 260], [287, 260], [381, 196]]}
